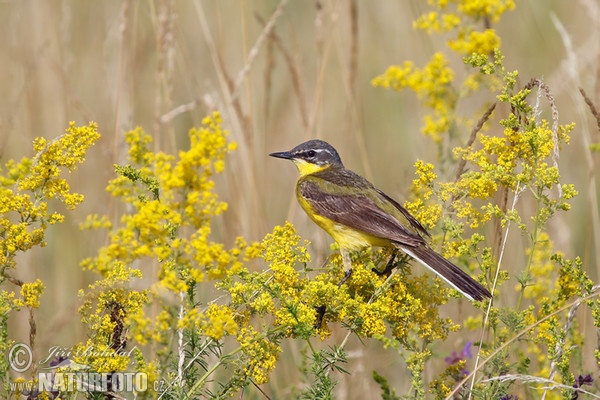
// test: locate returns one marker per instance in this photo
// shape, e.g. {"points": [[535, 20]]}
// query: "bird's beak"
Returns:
{"points": [[283, 154]]}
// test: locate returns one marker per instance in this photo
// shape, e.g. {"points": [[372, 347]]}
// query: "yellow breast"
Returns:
{"points": [[346, 238]]}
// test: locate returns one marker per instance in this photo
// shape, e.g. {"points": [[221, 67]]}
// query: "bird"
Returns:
{"points": [[358, 215]]}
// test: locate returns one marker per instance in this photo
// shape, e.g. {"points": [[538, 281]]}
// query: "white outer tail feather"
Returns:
{"points": [[410, 253]]}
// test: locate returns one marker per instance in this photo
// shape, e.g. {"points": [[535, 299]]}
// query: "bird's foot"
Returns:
{"points": [[320, 315], [321, 309], [389, 266], [347, 275]]}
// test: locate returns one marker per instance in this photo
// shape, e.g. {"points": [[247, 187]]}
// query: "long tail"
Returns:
{"points": [[455, 276]]}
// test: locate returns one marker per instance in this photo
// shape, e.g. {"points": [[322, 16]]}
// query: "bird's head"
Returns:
{"points": [[312, 156]]}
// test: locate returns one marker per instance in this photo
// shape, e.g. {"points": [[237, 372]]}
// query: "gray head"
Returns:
{"points": [[315, 152]]}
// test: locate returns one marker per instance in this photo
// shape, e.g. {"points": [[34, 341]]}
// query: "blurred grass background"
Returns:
{"points": [[164, 65]]}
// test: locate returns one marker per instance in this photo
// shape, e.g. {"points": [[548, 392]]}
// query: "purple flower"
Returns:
{"points": [[463, 355], [579, 382], [58, 361], [584, 380]]}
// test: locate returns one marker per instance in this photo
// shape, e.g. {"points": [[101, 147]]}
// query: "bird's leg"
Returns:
{"points": [[389, 266], [320, 314], [347, 265]]}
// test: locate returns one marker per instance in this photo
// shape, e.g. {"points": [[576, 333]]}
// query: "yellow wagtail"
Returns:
{"points": [[358, 215]]}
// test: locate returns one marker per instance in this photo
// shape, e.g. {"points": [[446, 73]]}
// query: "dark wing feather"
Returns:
{"points": [[358, 212], [413, 221]]}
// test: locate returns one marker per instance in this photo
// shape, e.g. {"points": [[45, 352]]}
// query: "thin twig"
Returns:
{"points": [[518, 191], [535, 379], [591, 106], [268, 74], [180, 343], [259, 389], [355, 122], [13, 280], [324, 41], [255, 49], [544, 89], [121, 72], [353, 64], [461, 165], [180, 109], [294, 73], [572, 67], [164, 65], [503, 204], [558, 349], [32, 333]]}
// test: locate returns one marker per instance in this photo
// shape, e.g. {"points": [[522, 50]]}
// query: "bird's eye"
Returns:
{"points": [[311, 153]]}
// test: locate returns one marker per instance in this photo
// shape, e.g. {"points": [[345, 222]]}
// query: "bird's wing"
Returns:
{"points": [[412, 220], [358, 212]]}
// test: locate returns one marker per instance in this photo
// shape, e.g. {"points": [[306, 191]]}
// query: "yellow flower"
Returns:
{"points": [[485, 8], [218, 321], [432, 83], [260, 353], [31, 293], [483, 43]]}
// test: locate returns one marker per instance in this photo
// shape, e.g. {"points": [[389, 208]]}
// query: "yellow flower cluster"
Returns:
{"points": [[64, 152], [169, 194], [171, 201], [296, 318], [108, 308], [111, 294], [550, 344], [435, 22], [100, 357], [259, 354], [26, 188], [475, 9], [445, 382], [432, 83], [27, 185], [280, 289], [475, 42], [218, 321], [151, 369], [95, 221], [468, 40], [479, 9], [427, 212], [519, 157], [31, 293]]}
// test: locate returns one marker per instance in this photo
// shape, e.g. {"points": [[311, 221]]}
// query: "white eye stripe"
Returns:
{"points": [[306, 152], [315, 154]]}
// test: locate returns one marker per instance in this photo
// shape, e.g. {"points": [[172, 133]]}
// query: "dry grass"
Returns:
{"points": [[279, 73]]}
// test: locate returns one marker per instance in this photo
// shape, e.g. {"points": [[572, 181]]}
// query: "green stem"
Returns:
{"points": [[200, 383], [534, 241]]}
